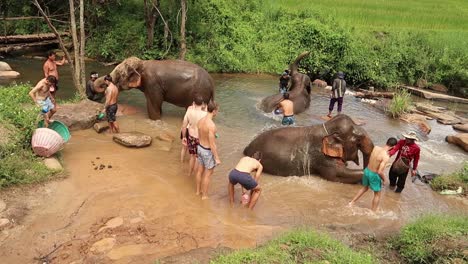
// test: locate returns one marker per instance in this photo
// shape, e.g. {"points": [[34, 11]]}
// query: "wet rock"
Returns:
{"points": [[4, 223], [439, 88], [112, 223], [164, 136], [78, 116], [429, 108], [461, 127], [460, 140], [5, 66], [419, 120], [133, 139], [53, 164], [101, 127], [421, 83], [319, 83], [9, 74], [103, 245], [2, 206]]}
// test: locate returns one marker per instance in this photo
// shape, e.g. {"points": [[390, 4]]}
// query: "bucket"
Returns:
{"points": [[58, 127], [46, 142]]}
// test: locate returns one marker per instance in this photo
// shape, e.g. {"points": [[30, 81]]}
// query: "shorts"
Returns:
{"points": [[372, 179], [243, 178], [287, 120], [111, 111], [206, 157], [46, 105], [192, 143]]}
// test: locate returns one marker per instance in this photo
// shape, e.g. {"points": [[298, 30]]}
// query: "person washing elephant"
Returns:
{"points": [[94, 93], [337, 94], [284, 81], [408, 151], [286, 107], [110, 106]]}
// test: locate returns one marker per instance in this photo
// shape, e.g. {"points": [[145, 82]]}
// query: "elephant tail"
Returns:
{"points": [[295, 65]]}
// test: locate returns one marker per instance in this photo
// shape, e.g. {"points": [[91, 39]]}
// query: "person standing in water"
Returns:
{"points": [[374, 173], [112, 93], [207, 151], [287, 107], [408, 151], [191, 119], [284, 81], [241, 175], [41, 96], [50, 68], [337, 93]]}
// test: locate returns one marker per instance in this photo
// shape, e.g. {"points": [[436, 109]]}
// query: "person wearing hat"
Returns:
{"points": [[408, 151], [94, 93], [337, 93], [284, 81]]}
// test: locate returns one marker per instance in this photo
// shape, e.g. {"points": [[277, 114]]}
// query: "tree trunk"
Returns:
{"points": [[82, 47], [150, 19], [183, 44], [30, 38], [76, 49]]}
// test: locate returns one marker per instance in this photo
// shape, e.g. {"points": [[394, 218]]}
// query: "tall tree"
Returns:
{"points": [[183, 42], [151, 7]]}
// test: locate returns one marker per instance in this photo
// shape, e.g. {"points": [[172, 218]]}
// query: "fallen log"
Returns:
{"points": [[30, 38], [435, 96], [371, 95], [10, 48]]}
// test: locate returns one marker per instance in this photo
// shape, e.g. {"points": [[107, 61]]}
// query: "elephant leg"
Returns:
{"points": [[341, 174], [154, 106]]}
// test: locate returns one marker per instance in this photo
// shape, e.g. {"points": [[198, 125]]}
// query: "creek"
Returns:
{"points": [[150, 191]]}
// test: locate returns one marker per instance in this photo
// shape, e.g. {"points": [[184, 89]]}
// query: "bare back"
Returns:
{"points": [[111, 94], [194, 115], [248, 164], [41, 90], [287, 106], [206, 128], [378, 159], [50, 68]]}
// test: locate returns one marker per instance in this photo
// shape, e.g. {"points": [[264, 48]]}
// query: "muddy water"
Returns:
{"points": [[149, 203]]}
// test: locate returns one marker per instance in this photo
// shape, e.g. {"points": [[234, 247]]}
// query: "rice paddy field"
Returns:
{"points": [[446, 21]]}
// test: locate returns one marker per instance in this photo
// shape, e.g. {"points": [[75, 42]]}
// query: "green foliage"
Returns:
{"points": [[19, 117], [433, 239], [300, 246], [452, 181], [400, 103]]}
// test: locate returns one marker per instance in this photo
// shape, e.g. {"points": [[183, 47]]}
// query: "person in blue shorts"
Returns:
{"points": [[241, 175], [374, 173]]}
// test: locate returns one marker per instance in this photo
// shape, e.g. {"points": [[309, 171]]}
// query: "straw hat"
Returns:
{"points": [[411, 135]]}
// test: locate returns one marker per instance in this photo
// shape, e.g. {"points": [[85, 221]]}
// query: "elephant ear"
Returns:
{"points": [[128, 73], [332, 147]]}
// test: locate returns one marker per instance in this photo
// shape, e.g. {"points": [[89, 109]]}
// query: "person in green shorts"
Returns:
{"points": [[374, 173]]}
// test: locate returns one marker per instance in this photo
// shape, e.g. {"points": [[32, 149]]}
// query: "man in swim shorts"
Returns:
{"points": [[112, 93], [287, 107], [207, 151], [42, 97], [374, 173], [241, 175], [191, 118]]}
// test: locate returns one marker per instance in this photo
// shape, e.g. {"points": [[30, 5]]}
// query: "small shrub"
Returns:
{"points": [[452, 181], [400, 103]]}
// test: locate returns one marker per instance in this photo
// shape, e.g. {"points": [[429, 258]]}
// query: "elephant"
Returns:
{"points": [[318, 149], [299, 92], [173, 81]]}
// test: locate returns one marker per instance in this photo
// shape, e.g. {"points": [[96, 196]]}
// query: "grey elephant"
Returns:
{"points": [[319, 149]]}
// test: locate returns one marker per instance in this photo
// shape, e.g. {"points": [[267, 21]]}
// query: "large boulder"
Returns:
{"points": [[461, 127], [319, 83], [78, 116], [419, 120], [439, 88], [133, 139], [460, 140], [9, 74], [441, 114], [4, 66]]}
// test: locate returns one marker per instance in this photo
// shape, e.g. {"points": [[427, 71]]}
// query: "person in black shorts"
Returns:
{"points": [[112, 93], [241, 175]]}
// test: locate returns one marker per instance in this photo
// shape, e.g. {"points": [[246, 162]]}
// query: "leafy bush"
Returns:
{"points": [[300, 246], [400, 103], [433, 239], [452, 181]]}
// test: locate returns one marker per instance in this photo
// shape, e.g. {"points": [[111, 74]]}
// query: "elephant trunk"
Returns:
{"points": [[346, 175], [365, 146], [295, 65]]}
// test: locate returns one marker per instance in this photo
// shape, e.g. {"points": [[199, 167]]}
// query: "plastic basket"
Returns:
{"points": [[46, 142], [58, 127]]}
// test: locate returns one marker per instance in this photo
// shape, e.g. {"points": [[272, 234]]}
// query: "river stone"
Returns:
{"points": [[429, 108], [77, 116], [9, 74], [439, 88], [4, 223], [164, 136], [112, 223], [53, 164], [460, 140], [101, 127], [103, 245], [133, 139], [461, 127], [319, 83], [5, 66], [419, 120]]}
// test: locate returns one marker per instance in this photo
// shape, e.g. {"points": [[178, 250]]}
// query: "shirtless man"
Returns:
{"points": [[287, 108], [207, 150], [50, 68], [112, 92], [374, 173], [241, 175], [41, 96], [191, 118]]}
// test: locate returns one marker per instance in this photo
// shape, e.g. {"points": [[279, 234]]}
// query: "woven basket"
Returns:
{"points": [[46, 142]]}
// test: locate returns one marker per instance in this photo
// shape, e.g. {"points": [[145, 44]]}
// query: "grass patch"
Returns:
{"points": [[433, 239], [400, 103], [18, 119], [300, 246], [452, 181]]}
